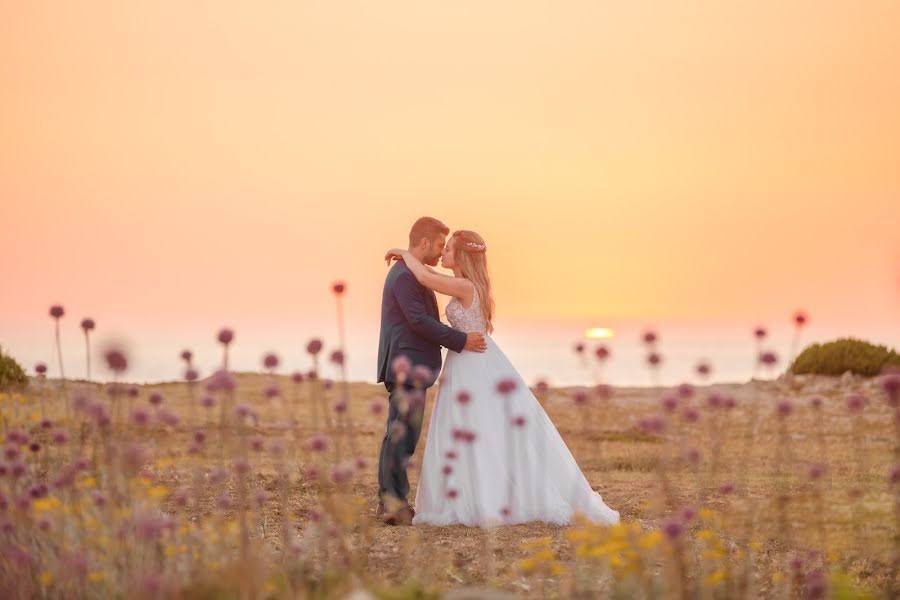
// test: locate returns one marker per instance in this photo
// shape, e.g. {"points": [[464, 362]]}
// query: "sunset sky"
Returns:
{"points": [[171, 167]]}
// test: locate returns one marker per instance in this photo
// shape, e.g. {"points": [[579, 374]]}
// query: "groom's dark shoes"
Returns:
{"points": [[402, 516]]}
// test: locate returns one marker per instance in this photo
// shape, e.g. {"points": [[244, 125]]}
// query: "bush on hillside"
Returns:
{"points": [[845, 354], [11, 372]]}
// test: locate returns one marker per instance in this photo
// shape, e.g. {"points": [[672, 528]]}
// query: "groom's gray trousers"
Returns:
{"points": [[406, 411]]}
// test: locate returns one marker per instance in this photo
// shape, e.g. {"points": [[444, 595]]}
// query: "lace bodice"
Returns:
{"points": [[467, 320]]}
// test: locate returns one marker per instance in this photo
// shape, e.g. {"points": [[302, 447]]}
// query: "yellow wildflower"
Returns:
{"points": [[714, 578], [527, 565], [756, 546], [543, 542], [95, 576], [650, 540], [777, 577], [46, 578], [705, 534]]}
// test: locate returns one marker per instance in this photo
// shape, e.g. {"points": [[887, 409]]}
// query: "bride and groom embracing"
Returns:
{"points": [[492, 455]]}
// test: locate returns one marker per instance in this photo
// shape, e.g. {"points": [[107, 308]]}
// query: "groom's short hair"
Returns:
{"points": [[428, 228]]}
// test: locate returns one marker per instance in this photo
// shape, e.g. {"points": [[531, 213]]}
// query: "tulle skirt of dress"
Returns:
{"points": [[509, 473]]}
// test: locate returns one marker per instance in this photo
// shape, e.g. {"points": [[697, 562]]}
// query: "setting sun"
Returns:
{"points": [[600, 333]]}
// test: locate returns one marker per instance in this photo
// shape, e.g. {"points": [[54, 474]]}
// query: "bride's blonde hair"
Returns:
{"points": [[470, 255]]}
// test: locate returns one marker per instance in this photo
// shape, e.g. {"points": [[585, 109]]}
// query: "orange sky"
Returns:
{"points": [[176, 164]]}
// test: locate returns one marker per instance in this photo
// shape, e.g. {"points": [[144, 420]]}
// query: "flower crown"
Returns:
{"points": [[474, 246]]}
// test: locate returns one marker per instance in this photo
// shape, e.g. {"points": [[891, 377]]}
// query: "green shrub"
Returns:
{"points": [[11, 373], [845, 354]]}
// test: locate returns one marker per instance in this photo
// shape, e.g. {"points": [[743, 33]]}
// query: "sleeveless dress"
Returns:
{"points": [[495, 457]]}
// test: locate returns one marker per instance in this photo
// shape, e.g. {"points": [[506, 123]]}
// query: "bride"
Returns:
{"points": [[492, 455]]}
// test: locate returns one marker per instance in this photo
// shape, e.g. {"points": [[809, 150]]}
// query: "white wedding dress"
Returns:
{"points": [[509, 473]]}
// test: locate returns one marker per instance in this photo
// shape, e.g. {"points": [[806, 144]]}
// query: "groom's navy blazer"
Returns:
{"points": [[411, 326]]}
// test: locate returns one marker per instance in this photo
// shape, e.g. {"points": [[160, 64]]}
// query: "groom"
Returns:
{"points": [[410, 328]]}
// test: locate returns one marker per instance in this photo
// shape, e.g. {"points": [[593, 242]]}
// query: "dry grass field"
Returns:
{"points": [[725, 501]]}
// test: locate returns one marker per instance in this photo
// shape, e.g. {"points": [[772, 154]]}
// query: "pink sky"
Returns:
{"points": [[174, 166]]}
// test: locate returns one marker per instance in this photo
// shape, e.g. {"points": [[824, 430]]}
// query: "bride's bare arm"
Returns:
{"points": [[458, 287]]}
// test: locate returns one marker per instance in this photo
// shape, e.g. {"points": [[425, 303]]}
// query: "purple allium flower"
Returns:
{"points": [[894, 475], [518, 421], [133, 391], [314, 346], [241, 467], [242, 411], [337, 357], [327, 384], [260, 498], [704, 369], [768, 358], [191, 375], [46, 424], [134, 458], [221, 381], [760, 333], [257, 443], [672, 528], [187, 356], [729, 402], [40, 369], [11, 452], [579, 348], [38, 491], [100, 499], [670, 402], [505, 512], [463, 397], [816, 585], [816, 471], [17, 469], [115, 360], [423, 374], [44, 524], [167, 417], [312, 375], [692, 455], [654, 359], [856, 402], [318, 443], [688, 513], [208, 401], [652, 424], [816, 402], [726, 488], [690, 415], [340, 406], [338, 287], [890, 383], [650, 337], [602, 353], [603, 391], [57, 311], [87, 325], [401, 365], [270, 361], [785, 407], [272, 391], [447, 470], [226, 336], [34, 447], [155, 398], [800, 318], [312, 473], [376, 407], [223, 502], [361, 463], [450, 455], [685, 390], [59, 436], [714, 400], [342, 473], [181, 496], [506, 386], [297, 377], [542, 386], [580, 398]]}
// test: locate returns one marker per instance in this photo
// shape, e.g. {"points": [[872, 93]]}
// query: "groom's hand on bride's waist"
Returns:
{"points": [[475, 342]]}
